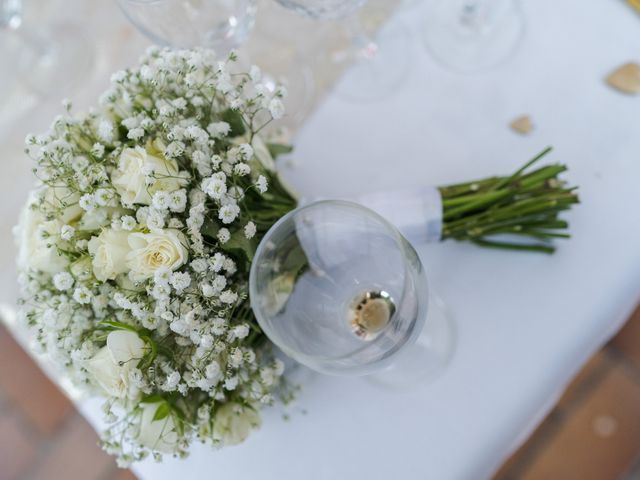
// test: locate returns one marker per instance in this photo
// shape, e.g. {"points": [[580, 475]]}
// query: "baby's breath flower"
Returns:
{"points": [[63, 281], [87, 202], [199, 265], [97, 150], [217, 262], [261, 184], [245, 151], [241, 331], [174, 149], [216, 188], [67, 232], [218, 129], [241, 169], [161, 200], [180, 281], [178, 200], [276, 108], [103, 196], [82, 295], [228, 213], [250, 230], [223, 235], [229, 266], [128, 222], [105, 131], [255, 73], [228, 297]]}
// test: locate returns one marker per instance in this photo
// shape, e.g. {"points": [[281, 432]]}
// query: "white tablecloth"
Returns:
{"points": [[526, 322]]}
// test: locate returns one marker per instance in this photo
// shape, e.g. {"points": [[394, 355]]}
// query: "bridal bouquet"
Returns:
{"points": [[135, 251], [136, 245]]}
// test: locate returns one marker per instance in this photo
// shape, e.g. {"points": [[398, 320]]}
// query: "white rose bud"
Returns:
{"points": [[109, 253], [36, 239], [111, 366], [233, 423], [130, 178], [62, 197], [152, 251], [159, 435]]}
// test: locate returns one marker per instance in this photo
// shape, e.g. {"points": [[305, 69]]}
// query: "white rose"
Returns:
{"points": [[58, 197], [112, 364], [159, 435], [109, 251], [234, 422], [82, 269], [99, 217], [35, 251], [151, 251], [135, 165]]}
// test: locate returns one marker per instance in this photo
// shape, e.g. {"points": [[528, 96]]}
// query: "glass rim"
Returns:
{"points": [[316, 361]]}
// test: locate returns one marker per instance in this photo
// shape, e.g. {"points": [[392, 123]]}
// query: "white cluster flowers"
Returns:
{"points": [[135, 251]]}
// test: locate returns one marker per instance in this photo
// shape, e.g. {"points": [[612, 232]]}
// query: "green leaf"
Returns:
{"points": [[277, 149], [154, 398], [235, 121], [113, 325], [147, 360], [240, 244], [210, 228], [163, 411]]}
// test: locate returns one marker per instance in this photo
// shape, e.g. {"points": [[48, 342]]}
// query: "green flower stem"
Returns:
{"points": [[524, 205]]}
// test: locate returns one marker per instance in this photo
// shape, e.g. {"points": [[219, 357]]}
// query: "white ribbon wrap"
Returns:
{"points": [[416, 212]]}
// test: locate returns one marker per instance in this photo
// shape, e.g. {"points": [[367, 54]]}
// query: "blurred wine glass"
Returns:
{"points": [[219, 24], [376, 66], [338, 288], [473, 35], [49, 59]]}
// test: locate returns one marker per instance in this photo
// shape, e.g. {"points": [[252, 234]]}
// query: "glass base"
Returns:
{"points": [[428, 357], [473, 35], [58, 61], [294, 372], [375, 69]]}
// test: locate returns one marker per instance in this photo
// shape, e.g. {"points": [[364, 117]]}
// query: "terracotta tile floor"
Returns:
{"points": [[42, 437], [592, 434], [594, 431]]}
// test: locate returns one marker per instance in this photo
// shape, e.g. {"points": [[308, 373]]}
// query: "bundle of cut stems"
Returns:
{"points": [[518, 212]]}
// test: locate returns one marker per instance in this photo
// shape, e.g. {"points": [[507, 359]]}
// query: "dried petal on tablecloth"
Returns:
{"points": [[522, 124], [626, 78]]}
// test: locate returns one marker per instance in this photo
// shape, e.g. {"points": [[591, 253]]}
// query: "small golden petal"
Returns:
{"points": [[635, 4], [626, 78], [522, 124]]}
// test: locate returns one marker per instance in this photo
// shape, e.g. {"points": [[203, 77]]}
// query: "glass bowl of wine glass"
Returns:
{"points": [[337, 288], [219, 24]]}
